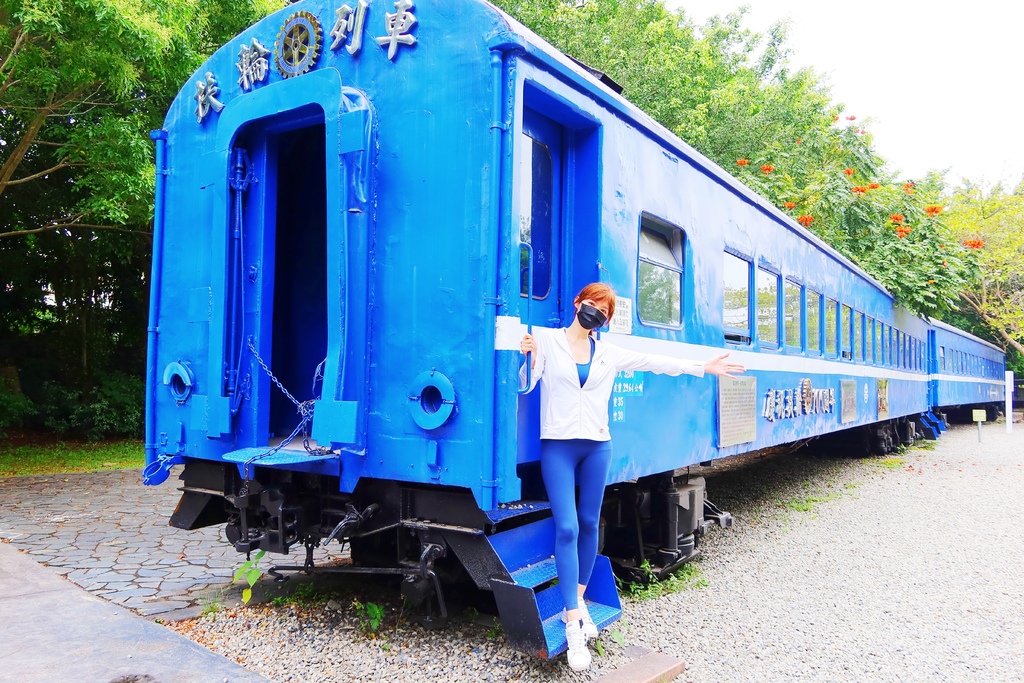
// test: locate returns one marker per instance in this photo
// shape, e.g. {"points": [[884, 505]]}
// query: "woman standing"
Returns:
{"points": [[578, 373]]}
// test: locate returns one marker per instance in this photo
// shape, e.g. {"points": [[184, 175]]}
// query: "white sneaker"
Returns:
{"points": [[589, 627], [578, 654]]}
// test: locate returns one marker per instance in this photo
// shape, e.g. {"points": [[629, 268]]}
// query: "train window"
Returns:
{"points": [[736, 305], [858, 335], [813, 321], [875, 331], [660, 271], [793, 323], [845, 332], [831, 326], [942, 358], [767, 308], [535, 215]]}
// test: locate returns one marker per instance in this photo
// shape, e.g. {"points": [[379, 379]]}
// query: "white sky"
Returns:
{"points": [[943, 84]]}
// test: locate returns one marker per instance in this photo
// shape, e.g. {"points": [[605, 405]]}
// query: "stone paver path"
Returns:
{"points": [[109, 534]]}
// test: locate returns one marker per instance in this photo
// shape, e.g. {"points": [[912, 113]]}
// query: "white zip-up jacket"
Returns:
{"points": [[569, 411]]}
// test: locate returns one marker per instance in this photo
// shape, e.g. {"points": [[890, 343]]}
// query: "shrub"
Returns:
{"points": [[113, 408], [14, 408]]}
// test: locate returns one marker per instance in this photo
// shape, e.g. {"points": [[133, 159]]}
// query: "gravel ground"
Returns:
{"points": [[900, 569]]}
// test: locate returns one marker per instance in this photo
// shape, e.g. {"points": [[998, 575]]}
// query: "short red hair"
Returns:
{"points": [[599, 293]]}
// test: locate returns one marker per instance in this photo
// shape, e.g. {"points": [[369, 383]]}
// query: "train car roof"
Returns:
{"points": [[572, 72], [956, 330]]}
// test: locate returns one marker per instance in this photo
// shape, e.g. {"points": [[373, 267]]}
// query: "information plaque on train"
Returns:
{"points": [[737, 410], [848, 400]]}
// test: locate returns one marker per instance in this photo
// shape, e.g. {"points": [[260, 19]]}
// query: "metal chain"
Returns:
{"points": [[304, 408]]}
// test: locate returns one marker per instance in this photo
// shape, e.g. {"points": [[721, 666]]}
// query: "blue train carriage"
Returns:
{"points": [[340, 283], [967, 374]]}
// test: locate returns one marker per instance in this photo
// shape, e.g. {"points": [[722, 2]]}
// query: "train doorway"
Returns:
{"points": [[300, 270], [288, 155]]}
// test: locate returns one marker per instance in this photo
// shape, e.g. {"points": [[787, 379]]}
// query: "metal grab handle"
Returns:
{"points": [[529, 319]]}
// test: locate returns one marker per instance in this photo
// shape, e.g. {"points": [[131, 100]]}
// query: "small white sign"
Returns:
{"points": [[622, 321]]}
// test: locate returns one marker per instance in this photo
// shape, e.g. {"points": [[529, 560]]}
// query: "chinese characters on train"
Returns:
{"points": [[782, 404], [350, 23], [627, 383]]}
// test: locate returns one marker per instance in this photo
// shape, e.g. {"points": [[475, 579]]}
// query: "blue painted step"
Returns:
{"points": [[532, 618]]}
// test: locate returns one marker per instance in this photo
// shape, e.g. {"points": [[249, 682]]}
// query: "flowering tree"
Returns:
{"points": [[991, 225], [729, 93]]}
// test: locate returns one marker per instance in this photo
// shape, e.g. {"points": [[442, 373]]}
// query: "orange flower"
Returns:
{"points": [[874, 186], [799, 140], [834, 119], [945, 265], [742, 162], [789, 205], [933, 210], [942, 246], [902, 231], [897, 218], [908, 188], [858, 189], [805, 220], [974, 244], [848, 171], [931, 282], [767, 168], [851, 118]]}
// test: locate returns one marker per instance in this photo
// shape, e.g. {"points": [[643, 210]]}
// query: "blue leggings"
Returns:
{"points": [[575, 529]]}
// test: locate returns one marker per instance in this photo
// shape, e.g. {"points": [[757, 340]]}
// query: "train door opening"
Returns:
{"points": [[559, 207], [296, 160]]}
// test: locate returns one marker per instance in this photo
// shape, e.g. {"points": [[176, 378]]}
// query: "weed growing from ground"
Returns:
{"points": [[686, 577]]}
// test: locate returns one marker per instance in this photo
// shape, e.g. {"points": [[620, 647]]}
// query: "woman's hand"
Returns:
{"points": [[723, 368], [528, 345]]}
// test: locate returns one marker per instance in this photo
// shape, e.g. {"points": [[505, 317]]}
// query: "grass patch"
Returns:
{"points": [[306, 596], [685, 578], [62, 457], [924, 445], [807, 503], [891, 463]]}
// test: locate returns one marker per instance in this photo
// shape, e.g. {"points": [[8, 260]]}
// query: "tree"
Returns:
{"points": [[81, 85], [991, 224], [729, 93]]}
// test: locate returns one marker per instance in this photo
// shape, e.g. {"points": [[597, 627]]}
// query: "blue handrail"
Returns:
{"points": [[529, 318]]}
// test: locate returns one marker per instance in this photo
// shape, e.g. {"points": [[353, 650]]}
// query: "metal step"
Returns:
{"points": [[282, 457], [537, 574], [554, 627]]}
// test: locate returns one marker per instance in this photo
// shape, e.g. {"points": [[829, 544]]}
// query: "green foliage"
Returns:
{"points": [[992, 222], [81, 85], [251, 572], [15, 408], [113, 408], [370, 614], [685, 578], [730, 93]]}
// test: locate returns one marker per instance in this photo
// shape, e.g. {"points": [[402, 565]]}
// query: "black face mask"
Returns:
{"points": [[590, 317]]}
